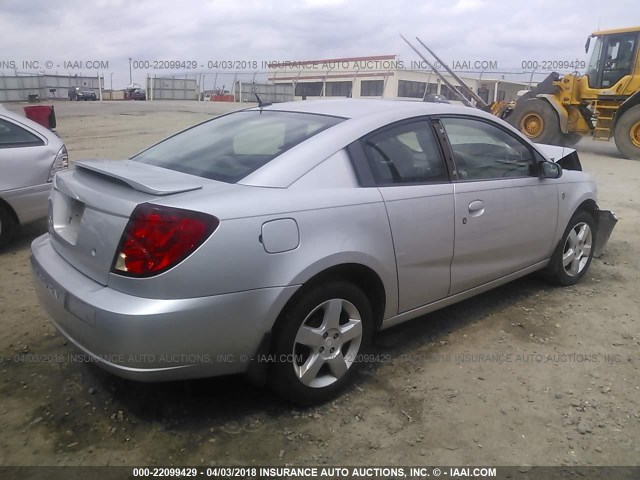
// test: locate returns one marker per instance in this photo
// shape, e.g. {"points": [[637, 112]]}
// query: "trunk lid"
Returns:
{"points": [[90, 206]]}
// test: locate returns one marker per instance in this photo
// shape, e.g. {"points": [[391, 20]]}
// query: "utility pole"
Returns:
{"points": [[130, 76]]}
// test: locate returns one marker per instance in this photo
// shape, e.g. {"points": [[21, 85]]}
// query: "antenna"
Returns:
{"points": [[260, 103]]}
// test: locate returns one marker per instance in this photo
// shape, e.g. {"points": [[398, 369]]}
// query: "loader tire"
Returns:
{"points": [[570, 139], [627, 133], [538, 121]]}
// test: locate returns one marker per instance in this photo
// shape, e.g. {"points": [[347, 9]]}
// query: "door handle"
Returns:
{"points": [[476, 208]]}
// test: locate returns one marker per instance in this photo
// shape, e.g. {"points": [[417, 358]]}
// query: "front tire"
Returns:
{"points": [[318, 342], [537, 120], [627, 133], [574, 253]]}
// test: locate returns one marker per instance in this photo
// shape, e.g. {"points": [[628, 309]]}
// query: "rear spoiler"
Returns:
{"points": [[141, 177]]}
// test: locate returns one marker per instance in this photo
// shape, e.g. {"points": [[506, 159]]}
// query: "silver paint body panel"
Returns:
{"points": [[290, 220], [24, 170]]}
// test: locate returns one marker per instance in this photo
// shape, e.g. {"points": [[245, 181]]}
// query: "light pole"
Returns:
{"points": [[130, 77], [112, 81]]}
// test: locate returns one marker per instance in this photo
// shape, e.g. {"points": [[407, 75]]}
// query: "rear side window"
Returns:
{"points": [[11, 135], [405, 154], [231, 147]]}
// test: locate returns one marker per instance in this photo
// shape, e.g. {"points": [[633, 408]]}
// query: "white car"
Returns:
{"points": [[30, 156]]}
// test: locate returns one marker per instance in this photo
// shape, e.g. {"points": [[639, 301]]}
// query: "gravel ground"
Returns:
{"points": [[526, 374]]}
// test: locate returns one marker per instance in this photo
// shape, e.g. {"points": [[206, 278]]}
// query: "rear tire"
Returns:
{"points": [[7, 226], [627, 133], [537, 120], [573, 255], [318, 342]]}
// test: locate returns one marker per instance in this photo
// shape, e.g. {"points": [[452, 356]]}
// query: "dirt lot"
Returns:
{"points": [[525, 374]]}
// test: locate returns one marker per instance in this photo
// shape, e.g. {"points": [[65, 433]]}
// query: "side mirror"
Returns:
{"points": [[586, 45], [549, 170]]}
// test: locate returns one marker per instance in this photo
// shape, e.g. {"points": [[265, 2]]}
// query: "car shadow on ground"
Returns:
{"points": [[189, 404], [24, 235]]}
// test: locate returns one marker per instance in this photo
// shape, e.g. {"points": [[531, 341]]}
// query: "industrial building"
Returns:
{"points": [[382, 76]]}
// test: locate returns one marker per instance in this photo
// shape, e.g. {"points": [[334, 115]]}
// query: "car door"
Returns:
{"points": [[21, 152], [407, 167], [505, 215]]}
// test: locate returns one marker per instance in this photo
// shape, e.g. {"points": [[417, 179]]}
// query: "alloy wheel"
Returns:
{"points": [[327, 343], [577, 249]]}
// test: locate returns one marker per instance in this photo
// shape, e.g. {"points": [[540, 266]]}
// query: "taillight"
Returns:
{"points": [[158, 238], [61, 162]]}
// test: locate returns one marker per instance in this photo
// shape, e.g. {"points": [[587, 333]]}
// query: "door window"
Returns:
{"points": [[482, 151], [619, 59], [405, 154]]}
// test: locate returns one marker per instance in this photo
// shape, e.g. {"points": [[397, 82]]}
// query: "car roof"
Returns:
{"points": [[362, 116], [356, 108]]}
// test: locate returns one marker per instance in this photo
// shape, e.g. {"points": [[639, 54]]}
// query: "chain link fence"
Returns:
{"points": [[223, 85]]}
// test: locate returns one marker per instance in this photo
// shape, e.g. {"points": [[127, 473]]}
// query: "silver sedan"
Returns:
{"points": [[276, 241], [30, 156]]}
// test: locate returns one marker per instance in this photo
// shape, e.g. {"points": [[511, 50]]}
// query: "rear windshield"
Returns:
{"points": [[231, 147]]}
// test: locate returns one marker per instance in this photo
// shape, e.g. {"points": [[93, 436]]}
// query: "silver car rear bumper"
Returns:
{"points": [[153, 339]]}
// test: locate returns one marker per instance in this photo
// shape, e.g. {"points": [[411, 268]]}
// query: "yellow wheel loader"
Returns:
{"points": [[603, 103]]}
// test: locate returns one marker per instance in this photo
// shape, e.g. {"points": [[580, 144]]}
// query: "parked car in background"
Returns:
{"points": [[275, 241], [82, 93], [30, 156], [138, 94], [436, 98]]}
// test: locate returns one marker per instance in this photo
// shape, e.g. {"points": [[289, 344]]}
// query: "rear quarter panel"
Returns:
{"points": [[22, 167], [336, 226], [29, 203], [24, 171]]}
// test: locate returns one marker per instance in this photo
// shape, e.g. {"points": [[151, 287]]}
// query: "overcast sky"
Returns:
{"points": [[505, 31]]}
